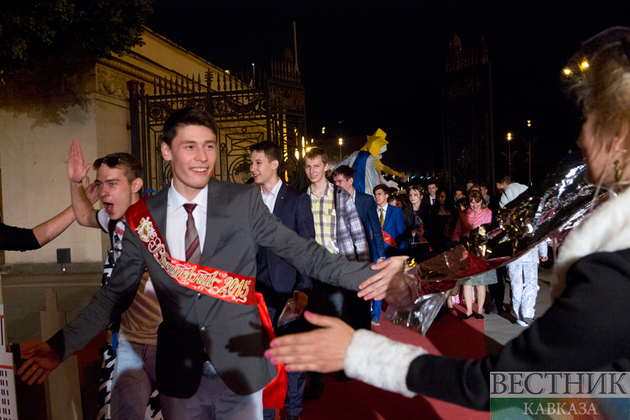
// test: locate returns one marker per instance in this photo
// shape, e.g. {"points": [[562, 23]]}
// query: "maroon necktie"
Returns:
{"points": [[193, 253]]}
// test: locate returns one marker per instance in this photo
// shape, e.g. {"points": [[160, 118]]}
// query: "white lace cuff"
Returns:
{"points": [[380, 362]]}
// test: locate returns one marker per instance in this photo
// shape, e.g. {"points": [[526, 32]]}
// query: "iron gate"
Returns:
{"points": [[248, 110]]}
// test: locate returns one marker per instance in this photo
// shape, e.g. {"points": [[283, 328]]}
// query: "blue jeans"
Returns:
{"points": [[213, 401], [133, 380], [376, 309]]}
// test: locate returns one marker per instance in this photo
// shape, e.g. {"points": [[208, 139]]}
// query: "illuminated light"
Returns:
{"points": [[340, 142], [311, 140], [297, 155], [583, 65], [302, 142], [567, 71], [529, 123], [323, 130], [509, 136]]}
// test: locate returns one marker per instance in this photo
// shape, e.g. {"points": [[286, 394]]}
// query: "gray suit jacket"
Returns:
{"points": [[197, 327]]}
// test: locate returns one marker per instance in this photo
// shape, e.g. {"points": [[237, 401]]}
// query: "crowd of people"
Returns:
{"points": [[434, 218], [185, 265], [364, 227]]}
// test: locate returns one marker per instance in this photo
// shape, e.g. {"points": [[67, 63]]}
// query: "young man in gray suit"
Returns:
{"points": [[276, 279], [210, 357]]}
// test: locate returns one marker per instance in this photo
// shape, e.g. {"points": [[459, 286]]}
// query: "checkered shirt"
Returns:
{"points": [[325, 218], [344, 225]]}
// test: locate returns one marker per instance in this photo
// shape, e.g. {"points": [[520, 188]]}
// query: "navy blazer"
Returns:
{"points": [[395, 226], [276, 278], [366, 207]]}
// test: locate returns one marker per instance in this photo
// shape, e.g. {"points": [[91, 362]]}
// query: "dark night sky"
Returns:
{"points": [[378, 64]]}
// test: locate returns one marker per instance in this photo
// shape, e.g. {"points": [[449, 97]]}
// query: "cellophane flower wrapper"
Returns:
{"points": [[548, 210]]}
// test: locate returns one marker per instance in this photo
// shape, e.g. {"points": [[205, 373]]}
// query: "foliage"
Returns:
{"points": [[43, 31]]}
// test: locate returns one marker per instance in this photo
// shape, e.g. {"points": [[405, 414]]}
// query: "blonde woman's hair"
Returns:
{"points": [[598, 78]]}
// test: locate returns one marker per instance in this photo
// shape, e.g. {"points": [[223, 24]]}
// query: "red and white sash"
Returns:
{"points": [[219, 284]]}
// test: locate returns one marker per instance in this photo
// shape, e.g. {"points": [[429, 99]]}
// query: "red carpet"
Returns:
{"points": [[357, 401]]}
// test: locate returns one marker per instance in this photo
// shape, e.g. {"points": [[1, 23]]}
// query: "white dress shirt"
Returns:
{"points": [[378, 211], [270, 199], [176, 217]]}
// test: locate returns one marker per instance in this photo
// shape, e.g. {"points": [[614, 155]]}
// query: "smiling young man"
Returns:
{"points": [[210, 356], [338, 228], [276, 279]]}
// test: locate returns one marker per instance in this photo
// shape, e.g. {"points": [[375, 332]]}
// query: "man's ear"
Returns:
{"points": [[350, 181], [136, 185], [275, 164], [166, 151]]}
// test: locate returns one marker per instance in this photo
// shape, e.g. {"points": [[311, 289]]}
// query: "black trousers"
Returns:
{"points": [[497, 291]]}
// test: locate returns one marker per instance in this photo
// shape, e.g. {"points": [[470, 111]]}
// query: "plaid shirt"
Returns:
{"points": [[325, 217], [337, 219]]}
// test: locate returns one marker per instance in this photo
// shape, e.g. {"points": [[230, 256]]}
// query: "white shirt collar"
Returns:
{"points": [[270, 199], [176, 200]]}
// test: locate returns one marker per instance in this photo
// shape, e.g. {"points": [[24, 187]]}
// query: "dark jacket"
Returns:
{"points": [[569, 337], [366, 207], [198, 327], [276, 279]]}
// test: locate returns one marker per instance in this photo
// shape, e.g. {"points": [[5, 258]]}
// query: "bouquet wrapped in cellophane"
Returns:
{"points": [[548, 210]]}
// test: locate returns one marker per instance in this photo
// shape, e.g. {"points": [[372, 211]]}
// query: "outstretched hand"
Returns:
{"points": [[321, 350], [76, 169], [389, 283], [41, 362]]}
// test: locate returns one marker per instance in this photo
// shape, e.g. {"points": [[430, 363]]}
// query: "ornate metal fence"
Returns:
{"points": [[248, 109]]}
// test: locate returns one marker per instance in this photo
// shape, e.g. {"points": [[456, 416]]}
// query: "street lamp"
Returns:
{"points": [[529, 149], [340, 144], [509, 139]]}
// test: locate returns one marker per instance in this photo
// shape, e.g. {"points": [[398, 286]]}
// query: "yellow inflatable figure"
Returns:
{"points": [[367, 163]]}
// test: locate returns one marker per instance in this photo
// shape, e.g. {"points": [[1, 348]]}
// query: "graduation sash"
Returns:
{"points": [[219, 284], [389, 240]]}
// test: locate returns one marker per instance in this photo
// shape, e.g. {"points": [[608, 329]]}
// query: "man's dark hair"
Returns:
{"points": [[270, 149], [383, 187], [460, 189], [432, 183], [505, 179], [344, 170], [130, 165], [316, 152], [184, 117]]}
